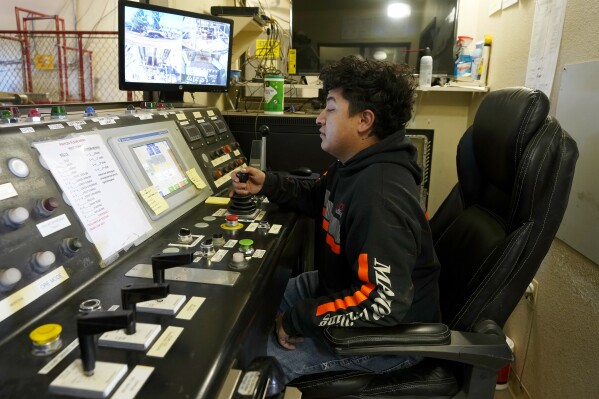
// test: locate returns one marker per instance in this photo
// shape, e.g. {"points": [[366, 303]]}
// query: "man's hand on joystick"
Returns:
{"points": [[243, 176]]}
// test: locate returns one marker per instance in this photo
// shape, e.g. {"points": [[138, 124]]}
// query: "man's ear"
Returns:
{"points": [[366, 121]]}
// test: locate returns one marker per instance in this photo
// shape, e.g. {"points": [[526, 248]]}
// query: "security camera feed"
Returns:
{"points": [[161, 47], [160, 164]]}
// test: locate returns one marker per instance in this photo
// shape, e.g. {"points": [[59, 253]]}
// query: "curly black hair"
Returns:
{"points": [[386, 89]]}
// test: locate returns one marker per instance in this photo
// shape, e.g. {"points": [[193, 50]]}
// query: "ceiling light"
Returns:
{"points": [[398, 10], [379, 55]]}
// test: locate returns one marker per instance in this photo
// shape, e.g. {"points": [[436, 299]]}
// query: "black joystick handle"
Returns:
{"points": [[161, 262], [90, 324], [132, 294], [264, 130], [243, 176]]}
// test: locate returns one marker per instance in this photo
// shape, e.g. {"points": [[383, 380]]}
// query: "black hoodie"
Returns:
{"points": [[376, 261]]}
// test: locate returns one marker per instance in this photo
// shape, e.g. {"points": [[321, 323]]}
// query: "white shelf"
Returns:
{"points": [[467, 89]]}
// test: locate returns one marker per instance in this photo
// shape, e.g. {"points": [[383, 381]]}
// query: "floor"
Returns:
{"points": [[504, 394]]}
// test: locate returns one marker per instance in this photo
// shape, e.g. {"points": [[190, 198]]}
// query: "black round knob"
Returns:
{"points": [[243, 177], [184, 232], [264, 130]]}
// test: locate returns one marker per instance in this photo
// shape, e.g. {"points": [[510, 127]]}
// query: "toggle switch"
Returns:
{"points": [[9, 278], [90, 305], [218, 240], [47, 206], [263, 227], [70, 246], [185, 236], [207, 248], [42, 260]]}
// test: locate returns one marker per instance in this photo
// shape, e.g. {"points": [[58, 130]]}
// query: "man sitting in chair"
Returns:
{"points": [[376, 265]]}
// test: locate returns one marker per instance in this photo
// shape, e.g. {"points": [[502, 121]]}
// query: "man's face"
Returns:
{"points": [[338, 130]]}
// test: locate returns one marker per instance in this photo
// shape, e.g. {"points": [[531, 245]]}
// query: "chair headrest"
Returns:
{"points": [[504, 123]]}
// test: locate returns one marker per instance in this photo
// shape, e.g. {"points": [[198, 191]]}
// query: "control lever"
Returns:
{"points": [[160, 262], [90, 324], [243, 176], [132, 294], [264, 131], [242, 204]]}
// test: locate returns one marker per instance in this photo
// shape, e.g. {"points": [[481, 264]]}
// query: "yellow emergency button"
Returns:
{"points": [[45, 334], [45, 340]]}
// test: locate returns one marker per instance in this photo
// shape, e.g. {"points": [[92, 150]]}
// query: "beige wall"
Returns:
{"points": [[560, 358]]}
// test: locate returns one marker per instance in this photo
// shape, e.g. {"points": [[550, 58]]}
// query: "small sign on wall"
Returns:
{"points": [[268, 48], [43, 61]]}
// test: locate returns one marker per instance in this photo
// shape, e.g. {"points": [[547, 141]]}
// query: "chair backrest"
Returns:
{"points": [[515, 166]]}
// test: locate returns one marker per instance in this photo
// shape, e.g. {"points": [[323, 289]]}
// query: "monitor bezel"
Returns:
{"points": [[168, 89], [176, 156]]}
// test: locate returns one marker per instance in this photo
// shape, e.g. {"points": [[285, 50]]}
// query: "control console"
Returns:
{"points": [[117, 278]]}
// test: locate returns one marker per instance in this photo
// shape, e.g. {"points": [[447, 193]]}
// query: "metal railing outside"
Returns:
{"points": [[62, 66]]}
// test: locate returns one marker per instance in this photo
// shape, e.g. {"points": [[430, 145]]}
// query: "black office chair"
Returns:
{"points": [[515, 167]]}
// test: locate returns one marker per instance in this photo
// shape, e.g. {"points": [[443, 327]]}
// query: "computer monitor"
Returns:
{"points": [[155, 154], [172, 51]]}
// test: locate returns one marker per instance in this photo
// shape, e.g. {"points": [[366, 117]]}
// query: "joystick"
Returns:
{"points": [[242, 204]]}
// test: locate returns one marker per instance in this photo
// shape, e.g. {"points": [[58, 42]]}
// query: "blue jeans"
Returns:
{"points": [[314, 355]]}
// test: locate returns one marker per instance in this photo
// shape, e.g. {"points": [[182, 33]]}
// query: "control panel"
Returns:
{"points": [[117, 278]]}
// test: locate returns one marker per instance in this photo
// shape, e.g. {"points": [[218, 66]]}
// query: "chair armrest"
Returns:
{"points": [[486, 349], [403, 334]]}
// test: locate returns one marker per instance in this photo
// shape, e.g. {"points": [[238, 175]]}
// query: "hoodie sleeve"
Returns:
{"points": [[304, 196], [381, 245]]}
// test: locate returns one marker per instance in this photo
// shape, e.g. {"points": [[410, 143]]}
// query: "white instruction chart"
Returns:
{"points": [[89, 176]]}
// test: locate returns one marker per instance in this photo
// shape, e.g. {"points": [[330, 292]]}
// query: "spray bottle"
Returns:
{"points": [[463, 63], [426, 69]]}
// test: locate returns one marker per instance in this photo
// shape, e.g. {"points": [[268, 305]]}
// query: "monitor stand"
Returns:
{"points": [[173, 97]]}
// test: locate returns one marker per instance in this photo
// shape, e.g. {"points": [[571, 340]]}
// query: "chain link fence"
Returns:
{"points": [[62, 66]]}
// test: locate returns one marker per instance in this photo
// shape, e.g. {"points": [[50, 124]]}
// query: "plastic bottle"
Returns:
{"points": [[463, 63], [425, 77], [477, 55], [483, 67]]}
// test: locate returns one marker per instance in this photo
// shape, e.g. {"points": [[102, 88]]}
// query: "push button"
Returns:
{"points": [[46, 339]]}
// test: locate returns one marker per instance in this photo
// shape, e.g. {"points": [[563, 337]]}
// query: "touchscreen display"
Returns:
{"points": [[161, 167]]}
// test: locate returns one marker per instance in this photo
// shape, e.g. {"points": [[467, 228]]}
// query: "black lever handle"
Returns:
{"points": [[160, 262], [90, 324], [132, 294]]}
